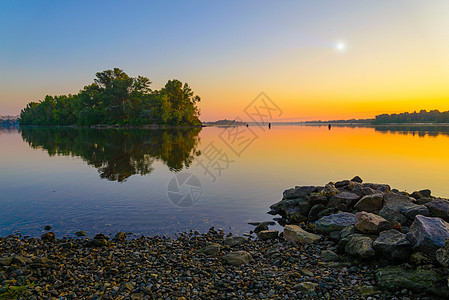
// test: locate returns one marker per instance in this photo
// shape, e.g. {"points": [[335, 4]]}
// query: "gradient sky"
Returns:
{"points": [[395, 57]]}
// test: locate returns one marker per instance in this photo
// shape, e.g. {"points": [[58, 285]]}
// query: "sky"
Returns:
{"points": [[394, 55]]}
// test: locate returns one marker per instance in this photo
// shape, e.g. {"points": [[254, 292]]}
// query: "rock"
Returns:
{"points": [[368, 290], [268, 234], [119, 237], [20, 260], [370, 203], [387, 225], [101, 236], [423, 201], [293, 233], [238, 258], [268, 223], [397, 201], [428, 234], [98, 243], [296, 218], [307, 287], [211, 249], [421, 194], [413, 210], [357, 179], [334, 222], [48, 237], [396, 278], [439, 208], [317, 198], [347, 231], [314, 211], [298, 192], [81, 233], [260, 228], [420, 258], [329, 190], [361, 246], [328, 255], [385, 188], [345, 198], [334, 236], [289, 206], [393, 245], [367, 222], [235, 241], [442, 255], [47, 227], [326, 212], [391, 214]]}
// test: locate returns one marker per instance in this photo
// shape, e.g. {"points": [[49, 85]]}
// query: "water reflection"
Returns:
{"points": [[118, 154], [420, 130]]}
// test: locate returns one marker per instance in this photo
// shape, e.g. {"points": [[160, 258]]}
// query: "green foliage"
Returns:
{"points": [[433, 116], [116, 98]]}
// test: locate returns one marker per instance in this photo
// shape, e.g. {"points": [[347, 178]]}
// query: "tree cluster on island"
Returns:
{"points": [[433, 116], [116, 98]]}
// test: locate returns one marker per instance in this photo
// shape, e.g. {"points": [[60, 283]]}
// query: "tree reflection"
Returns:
{"points": [[118, 154]]}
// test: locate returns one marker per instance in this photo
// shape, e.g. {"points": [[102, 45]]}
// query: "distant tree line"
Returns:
{"points": [[116, 98], [433, 116], [8, 122]]}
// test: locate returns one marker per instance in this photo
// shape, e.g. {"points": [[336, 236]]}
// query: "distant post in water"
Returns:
{"points": [[330, 126], [269, 125]]}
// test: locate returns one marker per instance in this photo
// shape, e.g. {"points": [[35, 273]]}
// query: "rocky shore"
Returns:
{"points": [[344, 240]]}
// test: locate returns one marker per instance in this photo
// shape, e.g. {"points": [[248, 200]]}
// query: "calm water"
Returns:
{"points": [[111, 180]]}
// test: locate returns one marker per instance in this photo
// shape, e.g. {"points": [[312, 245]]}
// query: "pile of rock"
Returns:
{"points": [[374, 222]]}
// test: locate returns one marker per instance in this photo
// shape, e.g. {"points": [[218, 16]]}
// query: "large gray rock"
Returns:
{"points": [[329, 190], [288, 207], [428, 234], [397, 201], [345, 198], [385, 188], [439, 208], [334, 222], [235, 241], [396, 278], [370, 203], [212, 249], [268, 234], [442, 255], [314, 211], [391, 214], [421, 194], [316, 198], [393, 245], [413, 210], [367, 222], [361, 246], [298, 192], [238, 258], [293, 233]]}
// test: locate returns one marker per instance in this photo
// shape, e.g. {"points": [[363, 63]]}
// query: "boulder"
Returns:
{"points": [[357, 179], [421, 194], [238, 258], [260, 228], [363, 190], [361, 246], [367, 222], [317, 198], [293, 233], [296, 218], [347, 231], [235, 241], [334, 222], [211, 249], [298, 192], [329, 190], [289, 206], [328, 255], [314, 211], [393, 245], [397, 201], [439, 208], [81, 233], [306, 287], [268, 234], [391, 214], [428, 234], [412, 211], [345, 198], [396, 278], [442, 255], [387, 225], [385, 188], [119, 237], [370, 203]]}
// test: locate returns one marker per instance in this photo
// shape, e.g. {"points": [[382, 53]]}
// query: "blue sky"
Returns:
{"points": [[228, 51]]}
